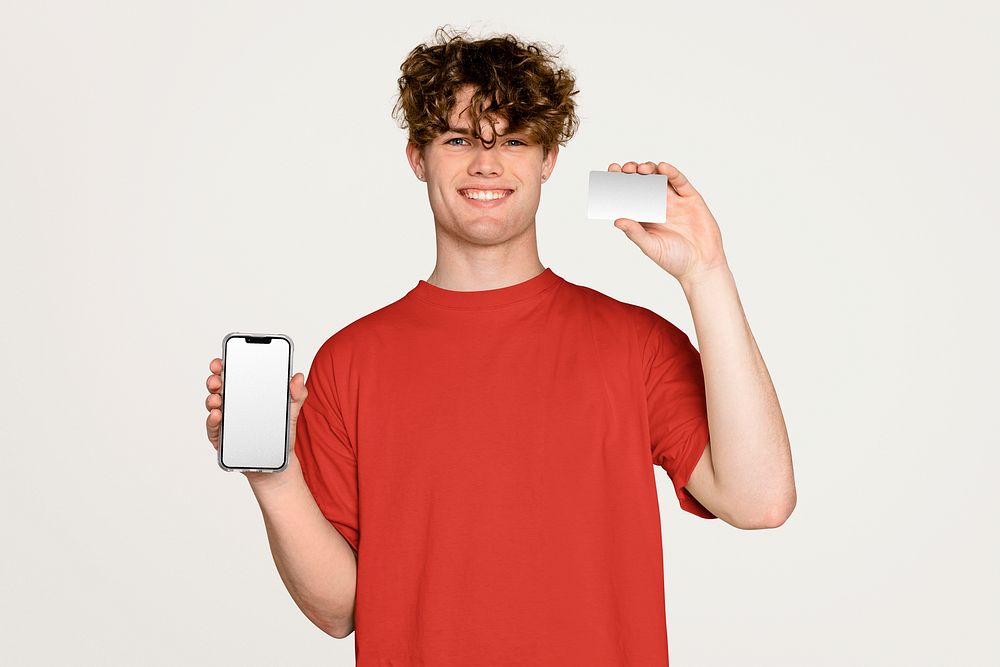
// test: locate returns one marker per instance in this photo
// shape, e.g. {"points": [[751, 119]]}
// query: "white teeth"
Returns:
{"points": [[485, 195]]}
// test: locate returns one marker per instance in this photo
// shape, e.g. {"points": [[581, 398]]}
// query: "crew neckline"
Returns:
{"points": [[475, 299]]}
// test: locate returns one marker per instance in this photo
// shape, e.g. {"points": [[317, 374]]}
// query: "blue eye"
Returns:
{"points": [[448, 142]]}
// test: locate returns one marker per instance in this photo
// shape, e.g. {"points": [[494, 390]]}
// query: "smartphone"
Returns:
{"points": [[256, 407], [617, 194]]}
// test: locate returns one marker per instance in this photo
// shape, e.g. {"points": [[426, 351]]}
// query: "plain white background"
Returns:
{"points": [[173, 171]]}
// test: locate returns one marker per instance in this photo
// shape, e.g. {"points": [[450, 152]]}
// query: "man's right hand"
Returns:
{"points": [[297, 387]]}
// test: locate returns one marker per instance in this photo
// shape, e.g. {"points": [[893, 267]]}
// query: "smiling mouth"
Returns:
{"points": [[485, 195]]}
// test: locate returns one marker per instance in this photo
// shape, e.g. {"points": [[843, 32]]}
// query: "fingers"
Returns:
{"points": [[214, 381], [212, 427], [635, 167], [213, 402], [677, 181]]}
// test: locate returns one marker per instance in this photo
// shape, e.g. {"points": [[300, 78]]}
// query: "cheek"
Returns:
{"points": [[530, 196]]}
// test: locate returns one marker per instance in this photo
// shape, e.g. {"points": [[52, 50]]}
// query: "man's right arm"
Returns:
{"points": [[317, 565]]}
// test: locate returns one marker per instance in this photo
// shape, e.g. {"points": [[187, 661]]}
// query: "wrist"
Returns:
{"points": [[694, 280], [268, 482]]}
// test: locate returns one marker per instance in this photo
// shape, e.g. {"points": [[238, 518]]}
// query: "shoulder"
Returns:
{"points": [[654, 333], [600, 303], [641, 321], [365, 332]]}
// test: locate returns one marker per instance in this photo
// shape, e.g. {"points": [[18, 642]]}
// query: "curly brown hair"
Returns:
{"points": [[522, 82]]}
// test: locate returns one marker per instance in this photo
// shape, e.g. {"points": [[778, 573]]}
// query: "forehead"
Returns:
{"points": [[459, 116]]}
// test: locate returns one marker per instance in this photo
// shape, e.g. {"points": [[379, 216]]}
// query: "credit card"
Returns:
{"points": [[615, 194]]}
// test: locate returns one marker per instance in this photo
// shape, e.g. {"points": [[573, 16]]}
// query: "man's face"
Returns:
{"points": [[456, 167]]}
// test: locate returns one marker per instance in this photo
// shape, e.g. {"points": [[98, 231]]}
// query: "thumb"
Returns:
{"points": [[297, 387]]}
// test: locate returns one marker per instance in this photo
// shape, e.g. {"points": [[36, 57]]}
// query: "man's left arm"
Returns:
{"points": [[746, 470], [747, 467]]}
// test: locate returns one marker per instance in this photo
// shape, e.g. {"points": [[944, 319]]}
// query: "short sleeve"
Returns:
{"points": [[676, 401], [324, 450]]}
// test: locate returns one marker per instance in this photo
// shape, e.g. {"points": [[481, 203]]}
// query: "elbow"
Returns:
{"points": [[335, 625], [779, 515], [340, 630], [336, 630], [339, 633], [774, 516]]}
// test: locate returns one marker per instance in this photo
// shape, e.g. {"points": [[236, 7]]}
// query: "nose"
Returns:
{"points": [[485, 161]]}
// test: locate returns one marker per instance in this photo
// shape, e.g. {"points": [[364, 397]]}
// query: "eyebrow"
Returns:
{"points": [[464, 131]]}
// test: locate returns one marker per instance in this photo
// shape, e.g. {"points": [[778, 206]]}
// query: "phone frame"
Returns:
{"points": [[288, 398]]}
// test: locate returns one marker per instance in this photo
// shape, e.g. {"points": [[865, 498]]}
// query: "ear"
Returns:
{"points": [[549, 163], [415, 156]]}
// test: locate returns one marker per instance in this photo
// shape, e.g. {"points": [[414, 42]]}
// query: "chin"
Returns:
{"points": [[497, 232]]}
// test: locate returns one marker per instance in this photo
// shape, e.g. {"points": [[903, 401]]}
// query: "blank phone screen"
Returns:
{"points": [[255, 376]]}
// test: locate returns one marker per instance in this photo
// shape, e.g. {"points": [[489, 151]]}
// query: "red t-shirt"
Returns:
{"points": [[490, 456]]}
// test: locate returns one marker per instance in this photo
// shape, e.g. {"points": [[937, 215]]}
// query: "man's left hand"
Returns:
{"points": [[689, 243]]}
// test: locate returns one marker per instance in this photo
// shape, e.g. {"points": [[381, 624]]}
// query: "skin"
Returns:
{"points": [[480, 249], [745, 474]]}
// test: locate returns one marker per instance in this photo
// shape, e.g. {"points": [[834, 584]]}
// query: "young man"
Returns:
{"points": [[472, 475]]}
